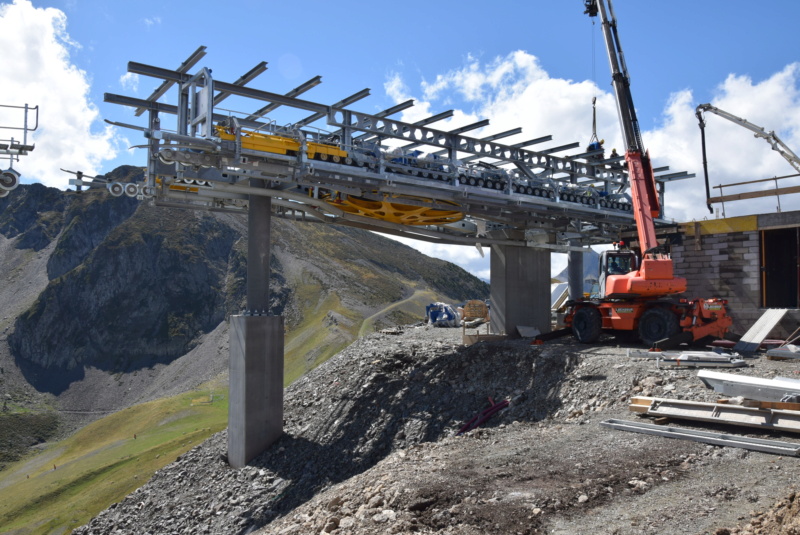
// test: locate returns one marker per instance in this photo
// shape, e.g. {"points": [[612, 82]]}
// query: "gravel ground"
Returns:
{"points": [[371, 448]]}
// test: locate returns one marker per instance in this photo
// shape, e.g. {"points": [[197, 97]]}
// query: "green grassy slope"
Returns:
{"points": [[73, 480]]}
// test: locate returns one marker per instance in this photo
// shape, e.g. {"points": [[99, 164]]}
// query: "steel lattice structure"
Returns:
{"points": [[464, 190]]}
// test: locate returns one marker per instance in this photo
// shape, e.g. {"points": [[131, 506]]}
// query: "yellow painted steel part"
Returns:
{"points": [[393, 211], [179, 187], [283, 145]]}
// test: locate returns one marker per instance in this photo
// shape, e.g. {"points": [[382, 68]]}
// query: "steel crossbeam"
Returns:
{"points": [[161, 90], [299, 90]]}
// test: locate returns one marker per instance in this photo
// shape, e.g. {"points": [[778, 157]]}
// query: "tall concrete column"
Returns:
{"points": [[255, 414], [520, 289], [575, 272], [259, 226]]}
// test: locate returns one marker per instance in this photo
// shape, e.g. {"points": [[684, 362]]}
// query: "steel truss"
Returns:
{"points": [[506, 194]]}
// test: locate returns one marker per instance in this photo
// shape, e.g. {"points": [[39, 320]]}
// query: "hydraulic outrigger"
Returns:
{"points": [[633, 295]]}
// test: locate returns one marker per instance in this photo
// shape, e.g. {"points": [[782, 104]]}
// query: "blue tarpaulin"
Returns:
{"points": [[442, 315]]}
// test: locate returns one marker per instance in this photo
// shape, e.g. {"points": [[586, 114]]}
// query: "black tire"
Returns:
{"points": [[587, 325], [656, 324], [462, 179]]}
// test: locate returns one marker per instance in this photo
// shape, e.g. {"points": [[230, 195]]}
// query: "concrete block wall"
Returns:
{"points": [[727, 265]]}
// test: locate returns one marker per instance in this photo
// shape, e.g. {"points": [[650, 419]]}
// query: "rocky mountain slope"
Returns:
{"points": [[104, 297], [371, 447]]}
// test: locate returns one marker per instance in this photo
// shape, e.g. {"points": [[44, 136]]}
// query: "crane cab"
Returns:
{"points": [[614, 262]]}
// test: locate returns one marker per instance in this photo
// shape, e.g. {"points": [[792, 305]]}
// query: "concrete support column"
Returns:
{"points": [[520, 289], [258, 250], [575, 272], [255, 414]]}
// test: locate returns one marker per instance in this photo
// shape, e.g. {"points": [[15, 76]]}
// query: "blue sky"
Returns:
{"points": [[533, 64]]}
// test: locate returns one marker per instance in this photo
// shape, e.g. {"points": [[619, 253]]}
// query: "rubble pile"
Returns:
{"points": [[371, 447]]}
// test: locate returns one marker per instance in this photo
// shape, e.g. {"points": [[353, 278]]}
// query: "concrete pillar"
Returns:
{"points": [[258, 250], [255, 413], [520, 289], [575, 273]]}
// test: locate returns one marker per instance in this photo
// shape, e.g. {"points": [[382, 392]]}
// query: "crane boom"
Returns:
{"points": [[770, 137], [646, 204]]}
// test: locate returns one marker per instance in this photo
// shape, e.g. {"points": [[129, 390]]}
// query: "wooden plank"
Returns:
{"points": [[754, 194], [773, 419], [780, 405]]}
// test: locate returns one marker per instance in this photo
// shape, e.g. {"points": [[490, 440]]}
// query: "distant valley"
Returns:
{"points": [[108, 302]]}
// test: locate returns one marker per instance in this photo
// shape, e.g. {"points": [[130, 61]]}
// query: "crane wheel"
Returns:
{"points": [[587, 325], [656, 324]]}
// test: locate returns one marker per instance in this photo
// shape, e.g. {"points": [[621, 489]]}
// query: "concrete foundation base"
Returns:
{"points": [[255, 414], [520, 289]]}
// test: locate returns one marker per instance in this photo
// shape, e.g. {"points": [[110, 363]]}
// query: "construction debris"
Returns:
{"points": [[750, 342], [691, 359], [788, 351], [773, 419], [778, 389], [528, 332], [733, 441], [484, 415]]}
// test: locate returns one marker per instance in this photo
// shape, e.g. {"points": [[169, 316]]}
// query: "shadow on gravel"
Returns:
{"points": [[344, 427]]}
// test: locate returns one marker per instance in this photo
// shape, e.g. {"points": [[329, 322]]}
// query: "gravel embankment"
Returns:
{"points": [[370, 448]]}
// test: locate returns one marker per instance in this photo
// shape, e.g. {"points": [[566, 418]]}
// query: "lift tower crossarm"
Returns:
{"points": [[646, 204], [770, 137]]}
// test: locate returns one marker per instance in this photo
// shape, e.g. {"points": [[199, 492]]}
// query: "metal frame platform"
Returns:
{"points": [[560, 203]]}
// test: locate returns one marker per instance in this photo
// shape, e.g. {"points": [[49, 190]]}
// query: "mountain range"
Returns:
{"points": [[109, 301]]}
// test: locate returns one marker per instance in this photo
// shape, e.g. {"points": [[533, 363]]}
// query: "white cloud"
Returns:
{"points": [[37, 71], [734, 154], [152, 21], [515, 91], [129, 81]]}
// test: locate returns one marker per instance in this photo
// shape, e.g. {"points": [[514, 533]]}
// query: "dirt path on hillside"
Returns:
{"points": [[368, 322]]}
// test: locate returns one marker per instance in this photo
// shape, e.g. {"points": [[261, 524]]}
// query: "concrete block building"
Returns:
{"points": [[752, 261]]}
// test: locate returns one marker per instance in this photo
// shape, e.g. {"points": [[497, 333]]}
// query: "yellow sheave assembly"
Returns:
{"points": [[396, 212]]}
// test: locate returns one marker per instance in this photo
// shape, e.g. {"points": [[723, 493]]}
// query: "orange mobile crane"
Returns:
{"points": [[635, 295]]}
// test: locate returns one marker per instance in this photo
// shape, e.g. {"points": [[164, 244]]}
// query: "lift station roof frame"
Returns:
{"points": [[547, 201]]}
